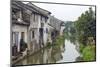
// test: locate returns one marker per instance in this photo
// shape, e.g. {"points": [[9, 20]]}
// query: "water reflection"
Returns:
{"points": [[70, 54], [54, 54]]}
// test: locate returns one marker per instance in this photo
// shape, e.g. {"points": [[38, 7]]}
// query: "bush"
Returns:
{"points": [[89, 53], [49, 44], [59, 40], [81, 47]]}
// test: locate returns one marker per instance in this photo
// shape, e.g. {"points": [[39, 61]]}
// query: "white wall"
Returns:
{"points": [[37, 25], [45, 34], [46, 26], [34, 25]]}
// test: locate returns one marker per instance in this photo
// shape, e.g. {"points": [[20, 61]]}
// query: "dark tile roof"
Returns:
{"points": [[40, 10], [31, 7], [55, 22], [62, 24]]}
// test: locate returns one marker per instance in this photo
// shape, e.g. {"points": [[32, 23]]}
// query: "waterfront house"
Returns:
{"points": [[29, 25], [54, 28], [32, 27], [38, 25], [20, 24]]}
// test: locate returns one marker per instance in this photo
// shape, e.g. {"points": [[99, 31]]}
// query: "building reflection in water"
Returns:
{"points": [[53, 54], [47, 55]]}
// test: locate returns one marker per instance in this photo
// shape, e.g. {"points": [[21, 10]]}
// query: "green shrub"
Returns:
{"points": [[89, 53], [59, 40], [81, 47]]}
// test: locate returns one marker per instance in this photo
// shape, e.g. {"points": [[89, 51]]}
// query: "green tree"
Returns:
{"points": [[86, 26]]}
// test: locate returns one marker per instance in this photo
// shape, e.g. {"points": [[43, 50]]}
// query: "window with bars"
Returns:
{"points": [[32, 34]]}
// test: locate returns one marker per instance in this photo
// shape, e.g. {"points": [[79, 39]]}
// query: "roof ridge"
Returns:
{"points": [[38, 7]]}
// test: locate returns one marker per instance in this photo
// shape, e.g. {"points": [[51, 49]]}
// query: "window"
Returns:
{"points": [[45, 19], [41, 18], [34, 17], [32, 34], [42, 25]]}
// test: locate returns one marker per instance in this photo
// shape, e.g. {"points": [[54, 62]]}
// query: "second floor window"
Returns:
{"points": [[46, 19], [41, 18], [42, 25], [34, 17], [32, 34]]}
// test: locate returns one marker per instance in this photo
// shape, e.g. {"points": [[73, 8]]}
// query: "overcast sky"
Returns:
{"points": [[65, 12]]}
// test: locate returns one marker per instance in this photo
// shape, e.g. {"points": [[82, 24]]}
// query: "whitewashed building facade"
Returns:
{"points": [[29, 23], [33, 26]]}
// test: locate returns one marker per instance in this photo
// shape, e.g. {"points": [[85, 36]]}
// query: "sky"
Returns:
{"points": [[65, 12]]}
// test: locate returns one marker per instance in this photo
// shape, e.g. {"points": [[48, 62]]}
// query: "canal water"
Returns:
{"points": [[67, 52]]}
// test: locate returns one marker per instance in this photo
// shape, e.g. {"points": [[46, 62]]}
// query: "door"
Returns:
{"points": [[22, 35], [41, 37]]}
